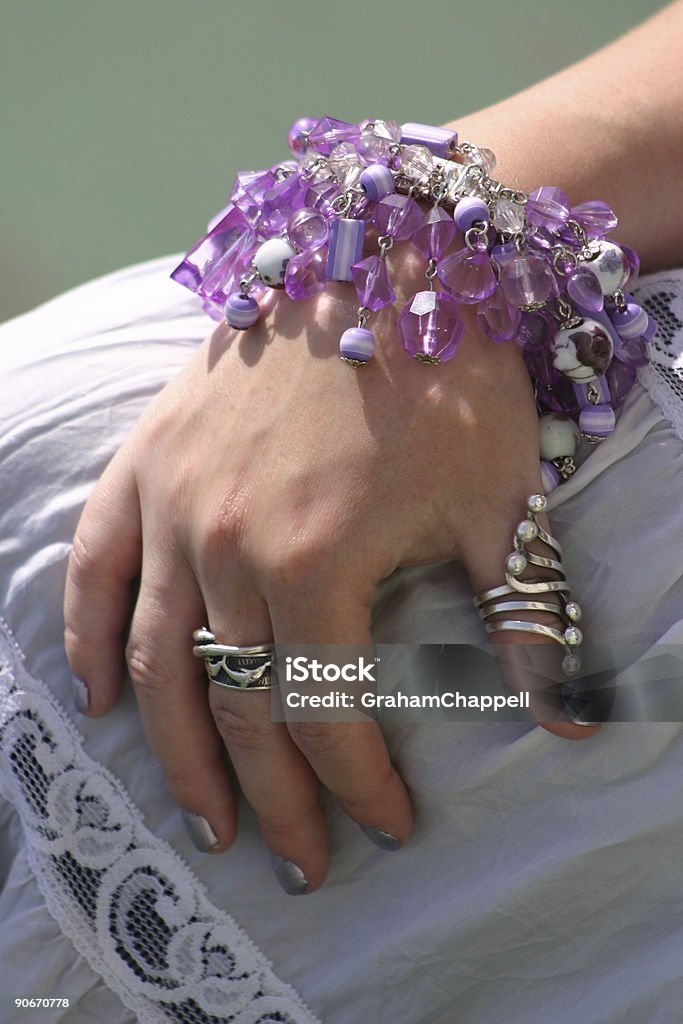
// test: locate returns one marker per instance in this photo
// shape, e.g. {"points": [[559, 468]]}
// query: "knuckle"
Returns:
{"points": [[143, 666], [318, 739], [294, 562], [239, 730], [83, 565]]}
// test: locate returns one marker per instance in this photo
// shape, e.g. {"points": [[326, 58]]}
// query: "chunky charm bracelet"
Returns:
{"points": [[540, 272]]}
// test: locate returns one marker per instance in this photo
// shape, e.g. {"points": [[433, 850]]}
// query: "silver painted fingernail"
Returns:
{"points": [[289, 875], [380, 838], [200, 832], [81, 694]]}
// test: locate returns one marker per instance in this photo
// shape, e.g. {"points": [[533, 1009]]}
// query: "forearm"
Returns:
{"points": [[609, 127]]}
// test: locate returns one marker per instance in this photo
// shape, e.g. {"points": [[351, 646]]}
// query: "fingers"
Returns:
{"points": [[170, 686], [103, 565], [527, 662], [350, 758]]}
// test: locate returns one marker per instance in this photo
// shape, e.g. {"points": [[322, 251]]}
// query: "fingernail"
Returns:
{"points": [[580, 708], [81, 695], [289, 875], [200, 832], [380, 838]]}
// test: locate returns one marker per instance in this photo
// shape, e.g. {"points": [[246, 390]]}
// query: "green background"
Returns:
{"points": [[123, 122]]}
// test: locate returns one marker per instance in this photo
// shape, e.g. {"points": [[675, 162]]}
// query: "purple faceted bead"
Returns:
{"points": [[307, 228], [398, 216], [214, 265], [547, 206], [542, 238], [213, 310], [595, 217], [248, 192], [297, 137], [621, 378], [321, 196], [498, 318], [633, 352], [468, 211], [435, 236], [329, 132], [503, 252], [373, 286], [467, 275], [534, 331], [241, 311], [377, 181], [305, 274], [357, 344], [583, 288], [279, 201], [431, 327], [528, 281]]}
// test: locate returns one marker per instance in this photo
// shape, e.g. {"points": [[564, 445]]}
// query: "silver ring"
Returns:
{"points": [[237, 668], [492, 610]]}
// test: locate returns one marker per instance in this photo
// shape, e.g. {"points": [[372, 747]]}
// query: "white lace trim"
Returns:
{"points": [[131, 907], [662, 296]]}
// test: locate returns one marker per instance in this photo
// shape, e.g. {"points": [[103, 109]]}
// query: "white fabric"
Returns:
{"points": [[541, 883]]}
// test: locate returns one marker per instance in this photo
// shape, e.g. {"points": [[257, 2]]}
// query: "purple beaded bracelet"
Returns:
{"points": [[540, 272]]}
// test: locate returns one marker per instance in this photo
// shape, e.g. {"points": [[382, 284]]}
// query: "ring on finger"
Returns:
{"points": [[235, 667]]}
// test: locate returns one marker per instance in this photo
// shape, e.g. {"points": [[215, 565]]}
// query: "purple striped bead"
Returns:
{"points": [[440, 141], [581, 392], [598, 420], [357, 343], [469, 210], [377, 181], [346, 248], [550, 478], [241, 311], [632, 322]]}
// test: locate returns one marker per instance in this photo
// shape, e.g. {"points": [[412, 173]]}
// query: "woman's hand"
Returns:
{"points": [[265, 493]]}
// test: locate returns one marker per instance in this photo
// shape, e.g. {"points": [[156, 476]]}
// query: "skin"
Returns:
{"points": [[268, 488]]}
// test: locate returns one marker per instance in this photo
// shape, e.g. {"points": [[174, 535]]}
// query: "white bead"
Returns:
{"points": [[537, 503], [559, 436], [271, 261], [573, 611], [582, 352], [516, 564], [527, 531], [573, 636], [610, 266]]}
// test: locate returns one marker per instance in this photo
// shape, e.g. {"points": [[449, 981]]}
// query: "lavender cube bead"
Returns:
{"points": [[440, 141], [357, 343], [377, 181], [597, 420], [345, 249], [581, 391]]}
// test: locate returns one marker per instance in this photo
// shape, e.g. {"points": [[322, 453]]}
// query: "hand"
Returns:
{"points": [[265, 493]]}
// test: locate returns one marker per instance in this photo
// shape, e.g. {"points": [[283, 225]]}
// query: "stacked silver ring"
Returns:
{"points": [[238, 668], [528, 595]]}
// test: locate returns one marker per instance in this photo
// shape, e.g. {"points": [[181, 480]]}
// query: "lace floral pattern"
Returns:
{"points": [[662, 297], [128, 903]]}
